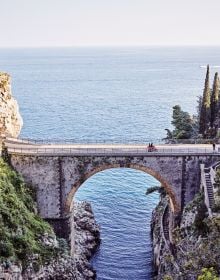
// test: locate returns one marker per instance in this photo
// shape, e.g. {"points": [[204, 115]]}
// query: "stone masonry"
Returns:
{"points": [[57, 178]]}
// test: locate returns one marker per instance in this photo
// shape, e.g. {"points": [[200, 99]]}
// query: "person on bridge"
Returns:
{"points": [[213, 145], [152, 148]]}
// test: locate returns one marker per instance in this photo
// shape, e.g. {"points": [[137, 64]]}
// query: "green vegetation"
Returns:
{"points": [[21, 229], [197, 246], [205, 114], [196, 241], [182, 123], [208, 274], [205, 125], [217, 181], [159, 189], [216, 206], [198, 207], [185, 126], [214, 101], [167, 277], [209, 108]]}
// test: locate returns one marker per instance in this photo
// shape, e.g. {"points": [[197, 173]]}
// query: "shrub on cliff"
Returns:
{"points": [[185, 126], [208, 274], [216, 206], [197, 246], [21, 229], [159, 189]]}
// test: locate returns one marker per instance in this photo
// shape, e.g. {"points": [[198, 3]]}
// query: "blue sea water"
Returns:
{"points": [[109, 94], [124, 213]]}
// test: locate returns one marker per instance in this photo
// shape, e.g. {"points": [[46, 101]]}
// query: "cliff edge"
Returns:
{"points": [[194, 252], [10, 118], [29, 248]]}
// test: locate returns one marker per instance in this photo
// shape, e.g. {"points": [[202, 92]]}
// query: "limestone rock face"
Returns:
{"points": [[86, 234], [86, 237], [10, 118]]}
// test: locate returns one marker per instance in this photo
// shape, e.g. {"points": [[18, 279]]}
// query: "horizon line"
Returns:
{"points": [[111, 46]]}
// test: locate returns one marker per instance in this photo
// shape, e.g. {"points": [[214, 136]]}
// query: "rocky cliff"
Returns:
{"points": [[29, 248], [194, 251], [85, 239], [61, 265], [10, 118]]}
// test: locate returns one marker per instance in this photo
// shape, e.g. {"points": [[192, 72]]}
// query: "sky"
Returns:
{"points": [[45, 23]]}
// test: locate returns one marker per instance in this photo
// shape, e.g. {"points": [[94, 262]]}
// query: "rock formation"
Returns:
{"points": [[10, 118], [86, 239], [194, 251], [63, 265]]}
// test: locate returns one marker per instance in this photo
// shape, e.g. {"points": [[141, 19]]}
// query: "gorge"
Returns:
{"points": [[199, 156]]}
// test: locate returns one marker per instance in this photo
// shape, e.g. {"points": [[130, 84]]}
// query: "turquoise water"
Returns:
{"points": [[120, 95], [124, 213]]}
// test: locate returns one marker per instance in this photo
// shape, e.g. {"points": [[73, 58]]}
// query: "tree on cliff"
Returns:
{"points": [[159, 189], [215, 101], [182, 123], [205, 114], [199, 108]]}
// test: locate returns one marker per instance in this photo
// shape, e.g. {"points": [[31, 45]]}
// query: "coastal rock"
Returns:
{"points": [[195, 244], [161, 251], [65, 266], [86, 238], [10, 118]]}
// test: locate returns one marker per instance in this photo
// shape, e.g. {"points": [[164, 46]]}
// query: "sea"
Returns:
{"points": [[112, 95]]}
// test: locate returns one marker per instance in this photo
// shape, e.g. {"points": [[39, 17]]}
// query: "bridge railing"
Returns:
{"points": [[108, 151], [86, 141], [112, 141]]}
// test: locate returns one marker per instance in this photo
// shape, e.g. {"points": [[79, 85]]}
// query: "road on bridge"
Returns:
{"points": [[19, 146]]}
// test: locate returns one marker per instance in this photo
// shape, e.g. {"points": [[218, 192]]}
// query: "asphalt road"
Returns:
{"points": [[23, 147]]}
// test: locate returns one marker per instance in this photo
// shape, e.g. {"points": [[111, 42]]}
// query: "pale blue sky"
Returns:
{"points": [[109, 22]]}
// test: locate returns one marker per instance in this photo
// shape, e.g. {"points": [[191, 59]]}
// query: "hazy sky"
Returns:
{"points": [[109, 22]]}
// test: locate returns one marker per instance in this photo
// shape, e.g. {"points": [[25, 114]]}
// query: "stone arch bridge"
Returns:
{"points": [[57, 171]]}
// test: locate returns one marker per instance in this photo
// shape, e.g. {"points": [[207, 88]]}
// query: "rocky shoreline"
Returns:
{"points": [[86, 239], [73, 266], [193, 248], [160, 248]]}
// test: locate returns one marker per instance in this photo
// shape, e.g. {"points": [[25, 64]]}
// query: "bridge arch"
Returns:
{"points": [[175, 207]]}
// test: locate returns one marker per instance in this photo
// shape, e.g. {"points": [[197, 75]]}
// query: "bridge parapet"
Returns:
{"points": [[145, 141], [29, 148]]}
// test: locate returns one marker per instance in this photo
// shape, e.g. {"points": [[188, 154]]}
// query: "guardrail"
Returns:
{"points": [[109, 151], [85, 141], [140, 140]]}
